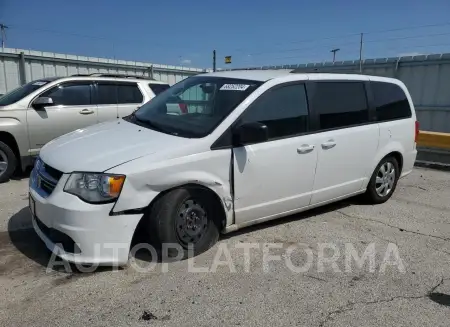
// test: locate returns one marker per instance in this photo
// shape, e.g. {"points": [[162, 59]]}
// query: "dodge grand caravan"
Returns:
{"points": [[251, 146]]}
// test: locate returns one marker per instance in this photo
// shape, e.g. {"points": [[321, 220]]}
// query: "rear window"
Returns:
{"points": [[129, 93], [390, 101], [341, 104], [158, 88]]}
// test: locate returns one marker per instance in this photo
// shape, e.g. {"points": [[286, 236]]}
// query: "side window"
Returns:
{"points": [[106, 93], [340, 104], [129, 93], [283, 110], [390, 101], [70, 94], [158, 88]]}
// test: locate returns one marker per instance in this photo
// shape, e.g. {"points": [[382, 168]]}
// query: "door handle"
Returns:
{"points": [[328, 145], [86, 112], [305, 149]]}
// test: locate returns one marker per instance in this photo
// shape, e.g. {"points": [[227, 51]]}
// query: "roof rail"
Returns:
{"points": [[121, 76], [322, 70], [115, 76]]}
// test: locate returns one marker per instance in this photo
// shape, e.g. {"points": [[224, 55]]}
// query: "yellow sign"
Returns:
{"points": [[228, 59]]}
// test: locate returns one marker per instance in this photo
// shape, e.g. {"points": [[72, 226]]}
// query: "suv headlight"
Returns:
{"points": [[95, 188]]}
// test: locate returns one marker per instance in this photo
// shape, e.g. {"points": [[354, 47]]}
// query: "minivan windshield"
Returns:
{"points": [[194, 107], [22, 91]]}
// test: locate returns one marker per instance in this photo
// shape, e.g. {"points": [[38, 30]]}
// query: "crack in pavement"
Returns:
{"points": [[386, 240], [392, 226], [351, 305], [316, 278]]}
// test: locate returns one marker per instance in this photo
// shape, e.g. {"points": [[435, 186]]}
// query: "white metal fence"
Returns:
{"points": [[20, 66]]}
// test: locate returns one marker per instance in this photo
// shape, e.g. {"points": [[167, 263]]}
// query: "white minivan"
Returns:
{"points": [[249, 147]]}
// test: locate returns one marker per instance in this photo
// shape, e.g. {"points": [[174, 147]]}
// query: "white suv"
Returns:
{"points": [[41, 110], [251, 146]]}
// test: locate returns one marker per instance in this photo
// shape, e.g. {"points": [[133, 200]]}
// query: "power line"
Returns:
{"points": [[408, 28], [407, 37], [397, 49], [354, 34], [349, 43], [94, 37]]}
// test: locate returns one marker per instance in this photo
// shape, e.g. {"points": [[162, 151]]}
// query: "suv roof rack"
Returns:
{"points": [[321, 71], [116, 76]]}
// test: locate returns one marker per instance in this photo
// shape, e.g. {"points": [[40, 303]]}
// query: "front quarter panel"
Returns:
{"points": [[146, 179], [14, 123]]}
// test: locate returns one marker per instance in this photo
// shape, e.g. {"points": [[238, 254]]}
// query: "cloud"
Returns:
{"points": [[410, 54], [186, 61]]}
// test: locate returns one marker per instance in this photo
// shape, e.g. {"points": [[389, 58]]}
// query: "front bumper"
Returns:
{"points": [[98, 238]]}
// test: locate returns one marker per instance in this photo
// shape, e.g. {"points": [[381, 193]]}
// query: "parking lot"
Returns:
{"points": [[414, 290]]}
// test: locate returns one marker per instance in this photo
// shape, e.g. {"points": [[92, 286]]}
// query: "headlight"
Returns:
{"points": [[95, 188]]}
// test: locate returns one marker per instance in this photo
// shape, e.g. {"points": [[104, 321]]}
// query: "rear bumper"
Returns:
{"points": [[408, 163], [82, 233]]}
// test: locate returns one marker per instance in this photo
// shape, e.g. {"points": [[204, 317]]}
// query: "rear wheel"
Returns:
{"points": [[185, 217], [383, 181], [8, 162]]}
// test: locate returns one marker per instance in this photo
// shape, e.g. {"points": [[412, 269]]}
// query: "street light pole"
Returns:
{"points": [[3, 28], [334, 53]]}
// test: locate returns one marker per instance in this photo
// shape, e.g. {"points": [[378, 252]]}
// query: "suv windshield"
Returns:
{"points": [[22, 91], [195, 106]]}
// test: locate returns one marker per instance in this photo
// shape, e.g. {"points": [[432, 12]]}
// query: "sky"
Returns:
{"points": [[254, 33]]}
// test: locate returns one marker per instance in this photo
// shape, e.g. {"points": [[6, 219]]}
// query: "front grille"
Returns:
{"points": [[54, 173], [46, 185], [47, 177]]}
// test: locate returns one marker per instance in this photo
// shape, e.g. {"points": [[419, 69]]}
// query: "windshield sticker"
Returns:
{"points": [[234, 87], [39, 83]]}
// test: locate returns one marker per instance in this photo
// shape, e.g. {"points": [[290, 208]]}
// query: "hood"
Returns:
{"points": [[100, 147]]}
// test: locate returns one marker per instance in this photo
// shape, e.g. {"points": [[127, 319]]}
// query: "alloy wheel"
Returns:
{"points": [[385, 179]]}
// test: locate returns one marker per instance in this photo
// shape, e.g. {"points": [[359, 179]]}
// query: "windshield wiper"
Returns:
{"points": [[152, 125]]}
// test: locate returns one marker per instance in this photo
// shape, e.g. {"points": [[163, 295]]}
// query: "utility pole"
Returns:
{"points": [[3, 28], [214, 60], [360, 52], [334, 53]]}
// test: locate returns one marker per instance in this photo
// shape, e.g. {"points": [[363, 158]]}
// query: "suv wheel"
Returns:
{"points": [[8, 162], [185, 217], [384, 181]]}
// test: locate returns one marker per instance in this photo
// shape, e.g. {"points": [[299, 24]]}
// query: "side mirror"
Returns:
{"points": [[42, 102], [250, 133]]}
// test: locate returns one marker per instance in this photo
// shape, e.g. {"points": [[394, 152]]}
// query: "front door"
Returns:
{"points": [[277, 176], [347, 141], [72, 109]]}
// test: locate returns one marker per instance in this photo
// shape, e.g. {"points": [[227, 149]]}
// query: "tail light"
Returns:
{"points": [[417, 132], [183, 108]]}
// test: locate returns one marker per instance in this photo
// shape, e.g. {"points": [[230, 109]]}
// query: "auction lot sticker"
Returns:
{"points": [[234, 87]]}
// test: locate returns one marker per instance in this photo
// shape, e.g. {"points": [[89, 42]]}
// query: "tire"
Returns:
{"points": [[168, 221], [8, 158], [390, 181]]}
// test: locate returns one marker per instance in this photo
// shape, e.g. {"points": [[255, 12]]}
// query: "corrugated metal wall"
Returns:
{"points": [[38, 64], [427, 78]]}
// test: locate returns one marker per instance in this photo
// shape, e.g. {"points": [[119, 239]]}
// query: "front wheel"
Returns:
{"points": [[185, 217], [383, 181], [8, 162]]}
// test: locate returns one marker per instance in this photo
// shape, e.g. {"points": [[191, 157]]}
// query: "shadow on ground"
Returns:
{"points": [[440, 298], [25, 239], [299, 216]]}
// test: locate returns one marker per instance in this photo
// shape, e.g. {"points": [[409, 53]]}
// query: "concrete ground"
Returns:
{"points": [[407, 285]]}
